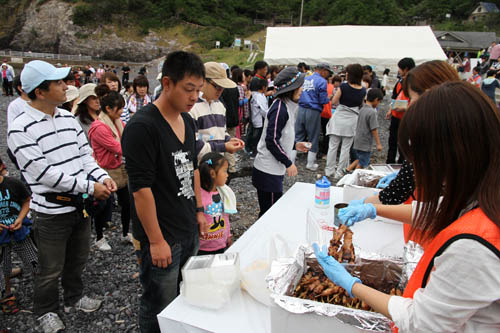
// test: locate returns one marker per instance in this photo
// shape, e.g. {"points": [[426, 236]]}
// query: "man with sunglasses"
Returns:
{"points": [[209, 113]]}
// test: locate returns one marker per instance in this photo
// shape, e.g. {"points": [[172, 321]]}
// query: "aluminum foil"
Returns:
{"points": [[286, 273], [412, 253], [368, 179]]}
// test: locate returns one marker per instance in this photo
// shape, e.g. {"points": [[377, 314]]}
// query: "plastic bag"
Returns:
{"points": [[253, 277]]}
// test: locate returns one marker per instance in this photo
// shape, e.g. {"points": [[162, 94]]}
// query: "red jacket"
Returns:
{"points": [[107, 149]]}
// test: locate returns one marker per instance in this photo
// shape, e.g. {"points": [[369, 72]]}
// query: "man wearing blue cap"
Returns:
{"points": [[56, 160], [308, 124]]}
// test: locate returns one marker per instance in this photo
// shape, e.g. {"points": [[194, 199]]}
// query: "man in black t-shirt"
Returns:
{"points": [[88, 74], [159, 147], [125, 73]]}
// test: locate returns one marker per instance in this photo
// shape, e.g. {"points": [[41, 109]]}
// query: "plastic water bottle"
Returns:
{"points": [[322, 196]]}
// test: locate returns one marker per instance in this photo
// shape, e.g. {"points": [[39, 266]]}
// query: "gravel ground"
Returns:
{"points": [[109, 276]]}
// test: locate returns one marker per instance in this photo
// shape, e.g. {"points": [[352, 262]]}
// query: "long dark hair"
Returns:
{"points": [[83, 113], [210, 161], [237, 75], [451, 135]]}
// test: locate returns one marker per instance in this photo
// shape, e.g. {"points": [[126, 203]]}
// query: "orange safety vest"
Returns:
{"points": [[473, 225], [475, 80], [401, 96]]}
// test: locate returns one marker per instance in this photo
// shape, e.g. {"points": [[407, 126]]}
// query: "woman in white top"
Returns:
{"points": [[385, 79], [451, 136]]}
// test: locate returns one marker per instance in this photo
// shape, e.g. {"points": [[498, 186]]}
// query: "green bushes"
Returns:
{"points": [[83, 14]]}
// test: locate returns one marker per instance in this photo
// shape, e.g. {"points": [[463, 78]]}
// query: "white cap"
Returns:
{"points": [[37, 71]]}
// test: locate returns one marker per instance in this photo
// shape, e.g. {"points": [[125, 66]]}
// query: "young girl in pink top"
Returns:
{"points": [[218, 201]]}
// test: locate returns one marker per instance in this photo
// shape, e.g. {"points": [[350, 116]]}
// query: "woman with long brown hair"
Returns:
{"points": [[418, 80], [88, 107], [451, 136]]}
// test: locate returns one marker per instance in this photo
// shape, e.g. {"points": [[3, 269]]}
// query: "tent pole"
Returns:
{"points": [[301, 10]]}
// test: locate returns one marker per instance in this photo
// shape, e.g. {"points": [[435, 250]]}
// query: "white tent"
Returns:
{"points": [[379, 46]]}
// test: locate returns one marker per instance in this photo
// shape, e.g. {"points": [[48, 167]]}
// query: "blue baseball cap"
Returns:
{"points": [[37, 71]]}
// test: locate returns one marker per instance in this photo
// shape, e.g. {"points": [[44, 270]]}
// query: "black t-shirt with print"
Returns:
{"points": [[13, 193], [155, 158]]}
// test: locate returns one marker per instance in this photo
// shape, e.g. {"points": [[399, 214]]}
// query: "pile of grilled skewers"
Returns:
{"points": [[314, 285]]}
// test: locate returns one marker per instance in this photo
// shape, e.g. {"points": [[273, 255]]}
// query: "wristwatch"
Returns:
{"points": [[200, 209]]}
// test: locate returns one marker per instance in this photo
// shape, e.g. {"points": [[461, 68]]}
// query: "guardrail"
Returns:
{"points": [[44, 55]]}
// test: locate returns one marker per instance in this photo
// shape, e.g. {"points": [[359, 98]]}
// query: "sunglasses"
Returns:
{"points": [[217, 87]]}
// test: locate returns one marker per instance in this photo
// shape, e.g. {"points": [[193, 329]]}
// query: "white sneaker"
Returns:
{"points": [[50, 323], [313, 167], [128, 239], [102, 245], [85, 304]]}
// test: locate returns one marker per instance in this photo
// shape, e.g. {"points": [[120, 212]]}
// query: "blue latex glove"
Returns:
{"points": [[385, 181], [334, 270], [353, 214], [357, 202]]}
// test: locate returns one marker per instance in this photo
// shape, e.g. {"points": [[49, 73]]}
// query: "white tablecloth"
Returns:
{"points": [[288, 218]]}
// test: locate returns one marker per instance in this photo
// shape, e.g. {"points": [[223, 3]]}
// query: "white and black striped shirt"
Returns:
{"points": [[53, 155]]}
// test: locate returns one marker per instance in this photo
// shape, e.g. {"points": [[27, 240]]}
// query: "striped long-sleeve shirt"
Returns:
{"points": [[53, 155], [210, 126]]}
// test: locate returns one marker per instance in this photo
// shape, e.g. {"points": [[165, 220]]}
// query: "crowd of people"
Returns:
{"points": [[168, 158]]}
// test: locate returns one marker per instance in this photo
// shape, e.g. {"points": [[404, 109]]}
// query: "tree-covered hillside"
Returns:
{"points": [[223, 19]]}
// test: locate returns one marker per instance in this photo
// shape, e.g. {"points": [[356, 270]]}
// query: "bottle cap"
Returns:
{"points": [[323, 182]]}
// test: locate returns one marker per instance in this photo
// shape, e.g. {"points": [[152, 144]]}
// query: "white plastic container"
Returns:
{"points": [[319, 226], [209, 281]]}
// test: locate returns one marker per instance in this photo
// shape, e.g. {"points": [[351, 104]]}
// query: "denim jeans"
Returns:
{"points": [[63, 242], [161, 285]]}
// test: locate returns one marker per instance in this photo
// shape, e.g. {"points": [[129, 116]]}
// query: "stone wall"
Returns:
{"points": [[48, 28]]}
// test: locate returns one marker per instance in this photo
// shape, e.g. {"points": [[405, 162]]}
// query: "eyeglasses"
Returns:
{"points": [[217, 87]]}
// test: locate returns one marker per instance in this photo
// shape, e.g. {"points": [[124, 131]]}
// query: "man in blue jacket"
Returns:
{"points": [[308, 124]]}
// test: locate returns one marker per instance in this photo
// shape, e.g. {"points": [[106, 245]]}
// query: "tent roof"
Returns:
{"points": [[380, 46]]}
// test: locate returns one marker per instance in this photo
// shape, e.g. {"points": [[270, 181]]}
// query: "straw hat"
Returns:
{"points": [[72, 93]]}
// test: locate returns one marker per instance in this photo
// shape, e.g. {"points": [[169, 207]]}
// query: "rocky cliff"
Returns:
{"points": [[46, 26]]}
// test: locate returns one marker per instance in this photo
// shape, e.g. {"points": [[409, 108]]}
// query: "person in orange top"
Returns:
{"points": [[475, 79], [395, 114], [450, 135], [326, 114]]}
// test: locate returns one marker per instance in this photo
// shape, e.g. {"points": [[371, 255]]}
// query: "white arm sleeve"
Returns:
{"points": [[466, 280]]}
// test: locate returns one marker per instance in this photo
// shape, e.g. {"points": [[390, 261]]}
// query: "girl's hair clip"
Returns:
{"points": [[209, 161]]}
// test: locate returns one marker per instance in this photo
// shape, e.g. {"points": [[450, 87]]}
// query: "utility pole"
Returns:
{"points": [[301, 11]]}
